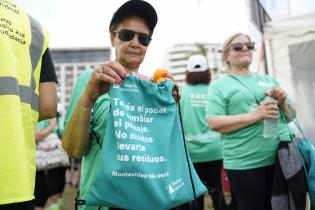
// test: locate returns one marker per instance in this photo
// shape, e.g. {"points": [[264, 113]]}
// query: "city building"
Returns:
{"points": [[178, 55], [69, 64]]}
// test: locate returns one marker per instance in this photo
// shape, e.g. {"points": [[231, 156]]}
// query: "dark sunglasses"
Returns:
{"points": [[128, 35], [240, 46]]}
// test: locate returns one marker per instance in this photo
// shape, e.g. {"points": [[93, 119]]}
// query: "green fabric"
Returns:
{"points": [[57, 130], [203, 144], [76, 93], [42, 124], [60, 127], [143, 163], [99, 119], [245, 148]]}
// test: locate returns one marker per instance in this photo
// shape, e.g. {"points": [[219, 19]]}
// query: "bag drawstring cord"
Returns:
{"points": [[182, 128]]}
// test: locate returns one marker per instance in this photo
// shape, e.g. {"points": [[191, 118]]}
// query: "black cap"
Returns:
{"points": [[136, 7]]}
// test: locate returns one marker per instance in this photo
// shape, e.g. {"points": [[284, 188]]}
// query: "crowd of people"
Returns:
{"points": [[223, 120]]}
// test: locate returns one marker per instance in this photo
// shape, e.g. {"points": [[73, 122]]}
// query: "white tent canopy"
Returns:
{"points": [[290, 51], [292, 26]]}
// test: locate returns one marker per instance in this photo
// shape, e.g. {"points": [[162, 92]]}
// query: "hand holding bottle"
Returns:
{"points": [[268, 109], [277, 94]]}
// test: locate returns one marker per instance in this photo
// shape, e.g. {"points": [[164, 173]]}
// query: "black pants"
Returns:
{"points": [[210, 174], [28, 205], [48, 183], [252, 188]]}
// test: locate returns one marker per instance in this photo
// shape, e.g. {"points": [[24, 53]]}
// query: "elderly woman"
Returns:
{"points": [[130, 29], [236, 107]]}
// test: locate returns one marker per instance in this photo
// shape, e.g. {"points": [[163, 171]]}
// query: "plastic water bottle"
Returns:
{"points": [[270, 125]]}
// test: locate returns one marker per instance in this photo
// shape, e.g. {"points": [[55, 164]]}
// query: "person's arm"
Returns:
{"points": [[40, 134], [47, 88], [227, 124], [231, 123], [47, 100], [75, 139]]}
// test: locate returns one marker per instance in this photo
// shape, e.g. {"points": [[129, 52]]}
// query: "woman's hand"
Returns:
{"points": [[111, 72], [278, 94], [267, 110]]}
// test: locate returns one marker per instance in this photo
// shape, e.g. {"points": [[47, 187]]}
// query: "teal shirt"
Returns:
{"points": [[98, 125], [77, 92], [245, 148], [203, 144], [42, 124], [45, 123], [60, 126]]}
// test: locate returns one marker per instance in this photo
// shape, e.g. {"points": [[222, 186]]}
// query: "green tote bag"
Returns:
{"points": [[144, 163]]}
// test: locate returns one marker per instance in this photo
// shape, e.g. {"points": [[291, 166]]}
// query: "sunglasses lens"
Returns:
{"points": [[144, 39], [250, 45], [240, 46], [237, 46], [126, 35]]}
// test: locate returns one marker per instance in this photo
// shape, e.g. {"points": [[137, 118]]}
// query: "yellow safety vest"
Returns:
{"points": [[22, 44]]}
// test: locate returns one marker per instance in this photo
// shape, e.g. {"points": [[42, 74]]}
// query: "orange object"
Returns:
{"points": [[160, 75]]}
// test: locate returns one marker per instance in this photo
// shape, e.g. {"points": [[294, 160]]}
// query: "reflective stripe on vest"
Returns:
{"points": [[9, 85]]}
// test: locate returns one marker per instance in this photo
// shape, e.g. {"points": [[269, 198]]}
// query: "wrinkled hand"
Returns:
{"points": [[278, 94], [268, 110], [111, 72]]}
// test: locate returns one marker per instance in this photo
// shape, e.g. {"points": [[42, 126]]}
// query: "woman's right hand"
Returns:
{"points": [[267, 110], [111, 72]]}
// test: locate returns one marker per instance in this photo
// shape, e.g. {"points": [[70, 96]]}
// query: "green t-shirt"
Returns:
{"points": [[60, 126], [98, 126], [42, 124], [57, 130], [203, 144], [245, 148], [76, 93], [45, 123]]}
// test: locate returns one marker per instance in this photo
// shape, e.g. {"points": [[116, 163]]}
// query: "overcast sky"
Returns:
{"points": [[81, 23]]}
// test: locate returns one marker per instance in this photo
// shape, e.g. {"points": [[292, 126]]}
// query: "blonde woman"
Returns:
{"points": [[237, 107]]}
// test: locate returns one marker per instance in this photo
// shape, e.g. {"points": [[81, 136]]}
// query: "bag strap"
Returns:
{"points": [[81, 202], [184, 140], [249, 90], [78, 202], [297, 124], [93, 134]]}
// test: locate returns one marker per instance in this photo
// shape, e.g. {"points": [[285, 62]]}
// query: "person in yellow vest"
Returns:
{"points": [[27, 94]]}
